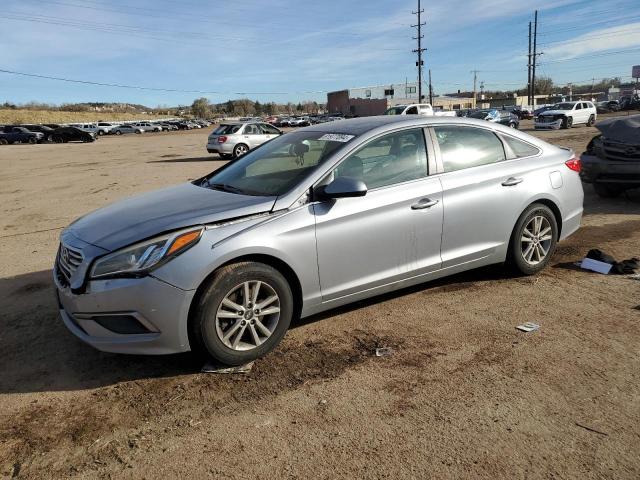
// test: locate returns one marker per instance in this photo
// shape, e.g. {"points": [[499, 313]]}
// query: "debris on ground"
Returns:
{"points": [[217, 368], [528, 327], [601, 262], [591, 429], [384, 351], [635, 276]]}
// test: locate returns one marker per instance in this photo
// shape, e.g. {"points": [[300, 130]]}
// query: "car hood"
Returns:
{"points": [[143, 216], [555, 112], [623, 130]]}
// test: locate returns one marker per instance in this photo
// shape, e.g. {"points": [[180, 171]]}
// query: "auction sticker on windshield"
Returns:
{"points": [[336, 137]]}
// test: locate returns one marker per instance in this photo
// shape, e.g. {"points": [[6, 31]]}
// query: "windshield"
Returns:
{"points": [[563, 106], [227, 129], [395, 111], [277, 166]]}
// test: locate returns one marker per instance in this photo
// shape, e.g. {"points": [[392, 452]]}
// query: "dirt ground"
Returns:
{"points": [[464, 394]]}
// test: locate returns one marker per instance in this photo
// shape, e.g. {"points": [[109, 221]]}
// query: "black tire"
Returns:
{"points": [[517, 249], [4, 141], [513, 125], [100, 132], [225, 156], [591, 121], [239, 150], [204, 339], [33, 140], [118, 132], [56, 138], [567, 122], [607, 191]]}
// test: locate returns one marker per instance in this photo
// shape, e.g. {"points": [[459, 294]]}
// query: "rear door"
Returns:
{"points": [[252, 135], [393, 232], [483, 193]]}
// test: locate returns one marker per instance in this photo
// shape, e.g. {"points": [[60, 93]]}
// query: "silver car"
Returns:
{"points": [[234, 139], [309, 221]]}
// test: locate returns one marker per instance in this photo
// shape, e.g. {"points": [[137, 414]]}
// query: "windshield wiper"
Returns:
{"points": [[225, 187]]}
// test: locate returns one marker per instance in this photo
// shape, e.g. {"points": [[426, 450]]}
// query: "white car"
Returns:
{"points": [[148, 127], [104, 128], [566, 115], [418, 109]]}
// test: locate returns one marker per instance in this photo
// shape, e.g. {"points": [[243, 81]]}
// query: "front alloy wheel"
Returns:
{"points": [[248, 315], [242, 314]]}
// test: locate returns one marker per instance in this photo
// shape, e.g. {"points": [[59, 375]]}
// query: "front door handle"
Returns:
{"points": [[511, 181], [424, 203]]}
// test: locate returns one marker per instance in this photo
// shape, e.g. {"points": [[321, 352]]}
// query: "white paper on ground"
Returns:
{"points": [[528, 327], [596, 266], [216, 368]]}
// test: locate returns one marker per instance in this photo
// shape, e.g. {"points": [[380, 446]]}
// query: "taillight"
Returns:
{"points": [[574, 164], [222, 139]]}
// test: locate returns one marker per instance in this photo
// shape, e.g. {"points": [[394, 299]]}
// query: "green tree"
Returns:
{"points": [[201, 108], [258, 108]]}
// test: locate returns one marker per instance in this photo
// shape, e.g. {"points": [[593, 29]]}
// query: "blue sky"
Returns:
{"points": [[286, 50]]}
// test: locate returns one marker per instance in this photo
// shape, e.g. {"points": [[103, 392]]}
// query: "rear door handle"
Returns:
{"points": [[424, 203], [511, 181]]}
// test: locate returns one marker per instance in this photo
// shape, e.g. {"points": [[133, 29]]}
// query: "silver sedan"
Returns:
{"points": [[309, 221]]}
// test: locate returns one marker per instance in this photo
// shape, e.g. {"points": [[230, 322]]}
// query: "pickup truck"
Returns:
{"points": [[19, 135], [419, 109]]}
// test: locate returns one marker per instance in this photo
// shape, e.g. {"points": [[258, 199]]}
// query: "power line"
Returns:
{"points": [[154, 89]]}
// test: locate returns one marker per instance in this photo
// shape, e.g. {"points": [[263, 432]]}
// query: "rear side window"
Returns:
{"points": [[466, 147], [227, 129], [519, 148]]}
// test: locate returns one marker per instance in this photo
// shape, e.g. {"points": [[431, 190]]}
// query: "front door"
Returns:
{"points": [[390, 234]]}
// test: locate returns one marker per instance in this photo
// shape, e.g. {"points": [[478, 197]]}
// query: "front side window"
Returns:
{"points": [[278, 165], [412, 111], [269, 130], [466, 147], [394, 158]]}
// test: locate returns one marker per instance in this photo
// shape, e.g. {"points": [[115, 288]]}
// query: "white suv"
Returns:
{"points": [[148, 127], [566, 115], [418, 109]]}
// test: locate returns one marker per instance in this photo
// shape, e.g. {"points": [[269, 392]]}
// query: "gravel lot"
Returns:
{"points": [[464, 394]]}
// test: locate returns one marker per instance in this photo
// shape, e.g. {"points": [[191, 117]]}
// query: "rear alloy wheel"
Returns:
{"points": [[4, 141], [591, 121], [100, 132], [240, 150], [33, 140], [533, 240], [118, 132], [513, 125], [567, 122], [243, 314]]}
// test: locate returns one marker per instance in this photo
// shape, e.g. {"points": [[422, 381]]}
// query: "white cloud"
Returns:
{"points": [[612, 38]]}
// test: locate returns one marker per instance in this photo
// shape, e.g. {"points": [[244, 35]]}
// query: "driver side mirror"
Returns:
{"points": [[343, 187]]}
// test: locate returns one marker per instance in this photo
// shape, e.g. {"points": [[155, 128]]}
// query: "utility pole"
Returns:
{"points": [[430, 89], [419, 50], [533, 67], [529, 102], [475, 90]]}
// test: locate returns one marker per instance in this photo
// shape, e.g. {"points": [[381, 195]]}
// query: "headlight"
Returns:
{"points": [[143, 256]]}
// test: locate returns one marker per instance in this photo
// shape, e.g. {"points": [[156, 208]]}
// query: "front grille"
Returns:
{"points": [[67, 261], [620, 151]]}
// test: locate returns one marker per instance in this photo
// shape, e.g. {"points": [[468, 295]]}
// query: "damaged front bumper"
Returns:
{"points": [[542, 123]]}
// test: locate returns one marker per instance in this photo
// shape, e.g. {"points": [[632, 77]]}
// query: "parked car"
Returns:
{"points": [[46, 131], [504, 117], [126, 128], [630, 102], [168, 126], [567, 114], [12, 135], [104, 128], [86, 127], [72, 134], [608, 106], [315, 219], [299, 122], [282, 122], [612, 159], [272, 119], [234, 139], [147, 127]]}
